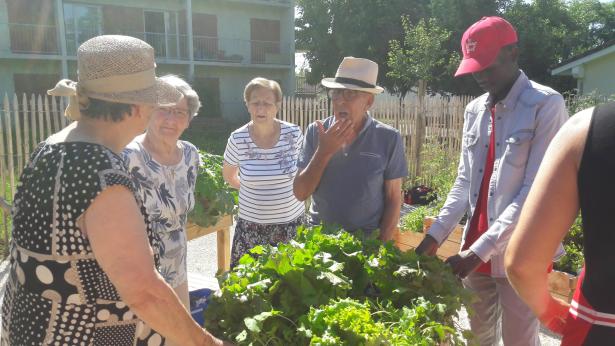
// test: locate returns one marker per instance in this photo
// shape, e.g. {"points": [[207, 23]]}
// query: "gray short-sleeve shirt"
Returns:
{"points": [[351, 189]]}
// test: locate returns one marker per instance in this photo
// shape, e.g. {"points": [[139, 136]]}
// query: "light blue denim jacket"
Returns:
{"points": [[525, 122]]}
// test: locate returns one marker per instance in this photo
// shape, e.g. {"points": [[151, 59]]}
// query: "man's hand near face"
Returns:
{"points": [[332, 139]]}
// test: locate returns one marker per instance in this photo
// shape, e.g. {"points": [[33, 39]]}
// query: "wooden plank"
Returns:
{"points": [[407, 240], [562, 285], [26, 128], [55, 115], [3, 172], [283, 108], [300, 106], [8, 128], [47, 117], [33, 121], [223, 241], [194, 231], [63, 117], [5, 206], [18, 142], [41, 116], [224, 250]]}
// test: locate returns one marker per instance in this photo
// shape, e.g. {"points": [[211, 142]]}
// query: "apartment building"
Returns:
{"points": [[219, 45]]}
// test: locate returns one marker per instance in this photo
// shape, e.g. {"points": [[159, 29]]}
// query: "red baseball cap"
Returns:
{"points": [[482, 42]]}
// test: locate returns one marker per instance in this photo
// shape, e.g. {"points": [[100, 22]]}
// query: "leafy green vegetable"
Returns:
{"points": [[343, 322], [413, 221], [213, 197], [573, 260], [334, 289]]}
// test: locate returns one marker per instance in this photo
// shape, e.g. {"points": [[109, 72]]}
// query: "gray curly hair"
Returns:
{"points": [[192, 98]]}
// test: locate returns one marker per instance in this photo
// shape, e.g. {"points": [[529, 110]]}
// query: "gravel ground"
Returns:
{"points": [[202, 267]]}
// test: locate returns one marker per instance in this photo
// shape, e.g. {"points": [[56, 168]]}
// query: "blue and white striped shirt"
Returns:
{"points": [[266, 175]]}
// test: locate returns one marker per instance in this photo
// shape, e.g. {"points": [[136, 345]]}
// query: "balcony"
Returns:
{"points": [[42, 39], [33, 39], [285, 3], [241, 51]]}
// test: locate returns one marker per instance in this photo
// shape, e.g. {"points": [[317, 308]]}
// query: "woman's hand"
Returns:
{"points": [[230, 174], [555, 316]]}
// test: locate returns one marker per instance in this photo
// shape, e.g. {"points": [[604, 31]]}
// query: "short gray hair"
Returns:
{"points": [[260, 82], [192, 98]]}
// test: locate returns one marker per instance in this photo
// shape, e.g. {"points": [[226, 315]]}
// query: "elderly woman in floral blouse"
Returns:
{"points": [[164, 169]]}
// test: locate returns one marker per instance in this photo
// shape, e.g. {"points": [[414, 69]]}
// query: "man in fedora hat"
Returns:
{"points": [[505, 135], [352, 165]]}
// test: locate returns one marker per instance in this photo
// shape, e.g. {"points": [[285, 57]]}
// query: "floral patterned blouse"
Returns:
{"points": [[167, 191]]}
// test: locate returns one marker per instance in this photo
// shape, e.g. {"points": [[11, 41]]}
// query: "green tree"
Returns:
{"points": [[421, 56], [595, 24], [550, 32], [331, 29]]}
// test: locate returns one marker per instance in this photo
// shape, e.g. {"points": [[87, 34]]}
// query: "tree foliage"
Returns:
{"points": [[331, 29], [550, 32], [421, 55]]}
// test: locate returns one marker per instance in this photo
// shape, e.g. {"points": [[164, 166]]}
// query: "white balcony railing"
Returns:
{"points": [[207, 48], [33, 38], [43, 39]]}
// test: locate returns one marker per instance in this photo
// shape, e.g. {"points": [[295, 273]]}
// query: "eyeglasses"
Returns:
{"points": [[177, 113], [263, 104], [346, 94]]}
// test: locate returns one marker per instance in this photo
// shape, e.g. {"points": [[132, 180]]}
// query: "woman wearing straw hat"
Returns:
{"points": [[260, 161], [83, 258], [164, 168]]}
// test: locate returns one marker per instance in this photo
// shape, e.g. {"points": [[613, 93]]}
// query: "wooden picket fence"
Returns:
{"points": [[24, 122], [27, 120], [437, 120]]}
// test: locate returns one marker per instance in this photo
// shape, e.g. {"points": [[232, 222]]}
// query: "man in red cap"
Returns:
{"points": [[505, 135]]}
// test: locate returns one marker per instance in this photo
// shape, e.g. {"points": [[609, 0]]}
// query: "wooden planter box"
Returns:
{"points": [[561, 285], [222, 228], [410, 240]]}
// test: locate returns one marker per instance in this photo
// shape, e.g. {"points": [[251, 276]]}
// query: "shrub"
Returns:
{"points": [[573, 260], [438, 172]]}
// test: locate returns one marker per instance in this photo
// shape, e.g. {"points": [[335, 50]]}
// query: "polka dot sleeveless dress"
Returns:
{"points": [[56, 293]]}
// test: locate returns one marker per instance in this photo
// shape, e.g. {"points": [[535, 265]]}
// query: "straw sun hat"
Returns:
{"points": [[115, 68], [355, 74]]}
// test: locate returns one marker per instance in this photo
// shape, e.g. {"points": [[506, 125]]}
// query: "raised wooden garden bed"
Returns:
{"points": [[222, 228], [410, 240], [561, 285]]}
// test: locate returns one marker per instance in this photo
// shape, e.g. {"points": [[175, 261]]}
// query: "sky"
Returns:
{"points": [[300, 61]]}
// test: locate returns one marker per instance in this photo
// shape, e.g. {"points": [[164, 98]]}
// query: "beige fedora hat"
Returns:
{"points": [[356, 74], [119, 69]]}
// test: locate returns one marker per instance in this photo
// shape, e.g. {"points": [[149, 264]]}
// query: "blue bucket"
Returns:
{"points": [[198, 302]]}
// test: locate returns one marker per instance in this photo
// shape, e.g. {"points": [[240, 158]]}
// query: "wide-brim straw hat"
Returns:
{"points": [[355, 74], [120, 69]]}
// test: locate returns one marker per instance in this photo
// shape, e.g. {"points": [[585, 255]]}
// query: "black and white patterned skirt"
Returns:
{"points": [[249, 234]]}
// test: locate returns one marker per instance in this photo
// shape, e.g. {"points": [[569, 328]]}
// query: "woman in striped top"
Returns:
{"points": [[260, 161]]}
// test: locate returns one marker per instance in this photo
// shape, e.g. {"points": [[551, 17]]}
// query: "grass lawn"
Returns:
{"points": [[209, 134]]}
